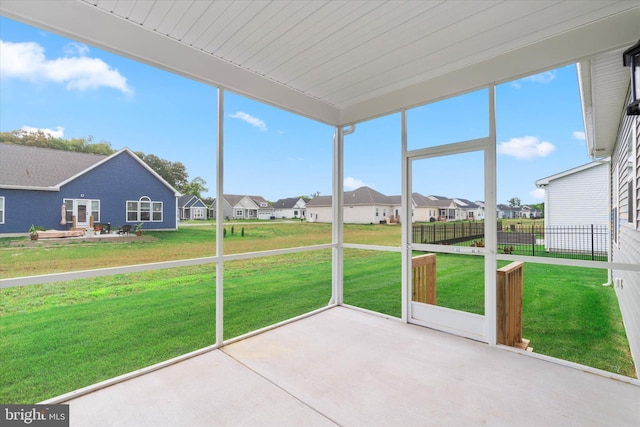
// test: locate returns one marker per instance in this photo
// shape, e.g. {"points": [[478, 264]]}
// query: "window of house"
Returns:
{"points": [[144, 210], [376, 211], [95, 210], [239, 212], [68, 206], [1, 210], [156, 208]]}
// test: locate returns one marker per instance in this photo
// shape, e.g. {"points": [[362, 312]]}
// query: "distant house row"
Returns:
{"points": [[57, 189], [368, 206], [361, 206], [237, 206]]}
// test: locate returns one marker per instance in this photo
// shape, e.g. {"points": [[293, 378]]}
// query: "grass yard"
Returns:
{"points": [[58, 337]]}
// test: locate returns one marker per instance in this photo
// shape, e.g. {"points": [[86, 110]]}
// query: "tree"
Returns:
{"points": [[196, 187], [514, 201], [175, 173]]}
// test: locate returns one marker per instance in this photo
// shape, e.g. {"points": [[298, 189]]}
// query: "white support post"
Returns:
{"points": [[220, 222], [405, 208], [337, 296], [490, 224]]}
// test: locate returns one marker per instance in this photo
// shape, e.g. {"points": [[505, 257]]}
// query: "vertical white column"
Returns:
{"points": [[405, 208], [490, 223], [337, 296], [220, 222]]}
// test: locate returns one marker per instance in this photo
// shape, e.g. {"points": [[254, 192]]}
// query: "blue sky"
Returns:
{"points": [[74, 90]]}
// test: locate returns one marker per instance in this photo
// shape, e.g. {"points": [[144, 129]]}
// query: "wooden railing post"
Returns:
{"points": [[509, 289], [423, 269]]}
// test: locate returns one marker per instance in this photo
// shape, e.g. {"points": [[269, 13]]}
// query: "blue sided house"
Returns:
{"points": [[191, 207], [60, 190]]}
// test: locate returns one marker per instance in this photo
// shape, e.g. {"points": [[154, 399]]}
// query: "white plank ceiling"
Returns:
{"points": [[343, 61]]}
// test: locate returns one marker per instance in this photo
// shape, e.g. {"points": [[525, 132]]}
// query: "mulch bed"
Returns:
{"points": [[79, 240]]}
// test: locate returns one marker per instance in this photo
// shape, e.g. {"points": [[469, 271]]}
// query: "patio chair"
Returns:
{"points": [[124, 229]]}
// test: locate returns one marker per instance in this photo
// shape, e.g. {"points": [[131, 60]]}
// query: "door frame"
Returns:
{"points": [[481, 328], [76, 208]]}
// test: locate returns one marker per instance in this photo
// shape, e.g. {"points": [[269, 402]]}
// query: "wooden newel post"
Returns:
{"points": [[423, 269], [509, 289]]}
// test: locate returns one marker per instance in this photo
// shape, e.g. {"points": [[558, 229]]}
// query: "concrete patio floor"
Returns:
{"points": [[349, 368]]}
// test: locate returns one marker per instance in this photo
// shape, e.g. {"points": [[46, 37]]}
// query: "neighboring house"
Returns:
{"points": [[293, 207], [432, 208], [119, 189], [363, 205], [480, 211], [396, 207], [564, 205], [470, 210], [226, 209], [245, 207], [509, 212], [531, 213], [605, 93], [319, 209], [191, 207]]}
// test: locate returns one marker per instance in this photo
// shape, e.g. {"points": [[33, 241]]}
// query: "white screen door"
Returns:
{"points": [[448, 239]]}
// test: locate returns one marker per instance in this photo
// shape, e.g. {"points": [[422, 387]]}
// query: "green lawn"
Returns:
{"points": [[62, 336]]}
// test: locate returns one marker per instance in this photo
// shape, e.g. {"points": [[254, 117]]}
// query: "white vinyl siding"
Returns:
{"points": [[627, 251], [319, 214], [581, 198]]}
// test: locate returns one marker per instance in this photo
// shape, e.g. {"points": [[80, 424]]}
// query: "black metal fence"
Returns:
{"points": [[449, 233], [589, 242]]}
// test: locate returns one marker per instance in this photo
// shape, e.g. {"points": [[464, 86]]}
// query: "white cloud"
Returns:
{"points": [[58, 133], [526, 147], [579, 135], [75, 48], [541, 78], [351, 183], [537, 194], [27, 61], [253, 121]]}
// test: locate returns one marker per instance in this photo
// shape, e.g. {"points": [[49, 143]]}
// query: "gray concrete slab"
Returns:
{"points": [[345, 367], [207, 390], [362, 370]]}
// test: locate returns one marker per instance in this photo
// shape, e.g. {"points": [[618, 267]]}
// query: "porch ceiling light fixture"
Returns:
{"points": [[631, 58]]}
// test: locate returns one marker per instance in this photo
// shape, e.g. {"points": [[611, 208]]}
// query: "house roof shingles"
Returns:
{"points": [[286, 203], [26, 166], [359, 196]]}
